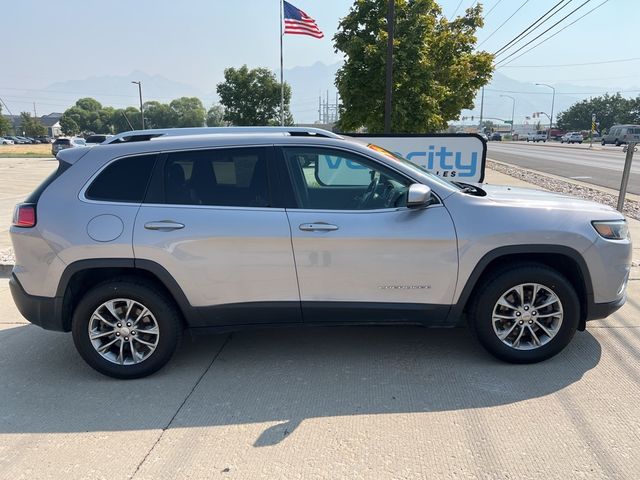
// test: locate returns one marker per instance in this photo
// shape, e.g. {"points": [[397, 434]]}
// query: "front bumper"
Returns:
{"points": [[46, 312], [596, 311]]}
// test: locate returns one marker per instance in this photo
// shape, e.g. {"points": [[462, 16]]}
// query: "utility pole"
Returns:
{"points": [[35, 114], [389, 80], [513, 111], [553, 101], [327, 108], [481, 110], [141, 112]]}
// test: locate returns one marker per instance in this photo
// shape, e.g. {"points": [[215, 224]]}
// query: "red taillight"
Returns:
{"points": [[24, 215]]}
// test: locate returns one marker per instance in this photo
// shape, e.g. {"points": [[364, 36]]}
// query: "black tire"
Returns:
{"points": [[617, 143], [481, 311], [603, 143], [167, 317]]}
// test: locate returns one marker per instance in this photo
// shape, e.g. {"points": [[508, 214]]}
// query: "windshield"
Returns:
{"points": [[407, 163]]}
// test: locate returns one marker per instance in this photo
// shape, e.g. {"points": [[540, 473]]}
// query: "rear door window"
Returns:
{"points": [[228, 177], [124, 180]]}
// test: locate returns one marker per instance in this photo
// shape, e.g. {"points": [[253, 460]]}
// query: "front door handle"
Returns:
{"points": [[163, 225], [318, 227]]}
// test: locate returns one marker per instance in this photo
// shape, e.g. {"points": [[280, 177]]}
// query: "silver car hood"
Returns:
{"points": [[532, 198]]}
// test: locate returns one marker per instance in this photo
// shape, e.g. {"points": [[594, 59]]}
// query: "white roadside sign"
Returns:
{"points": [[460, 156]]}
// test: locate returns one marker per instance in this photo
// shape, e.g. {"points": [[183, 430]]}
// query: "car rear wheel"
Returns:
{"points": [[525, 314], [126, 328]]}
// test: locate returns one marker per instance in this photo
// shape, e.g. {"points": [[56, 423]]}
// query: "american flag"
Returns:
{"points": [[296, 22]]}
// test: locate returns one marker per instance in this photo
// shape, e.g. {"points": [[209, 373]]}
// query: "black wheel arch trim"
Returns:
{"points": [[148, 266], [485, 261]]}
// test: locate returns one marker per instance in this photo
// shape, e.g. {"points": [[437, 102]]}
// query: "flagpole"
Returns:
{"points": [[281, 67]]}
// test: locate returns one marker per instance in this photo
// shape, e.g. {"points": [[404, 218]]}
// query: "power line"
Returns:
{"points": [[533, 25], [492, 9], [551, 36], [503, 23], [572, 64], [456, 10]]}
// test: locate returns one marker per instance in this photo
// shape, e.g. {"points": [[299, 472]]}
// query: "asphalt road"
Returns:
{"points": [[600, 166]]}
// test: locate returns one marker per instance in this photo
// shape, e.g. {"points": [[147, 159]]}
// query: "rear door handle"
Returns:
{"points": [[318, 227], [163, 225]]}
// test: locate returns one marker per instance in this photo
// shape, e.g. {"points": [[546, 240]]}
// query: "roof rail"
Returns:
{"points": [[145, 135]]}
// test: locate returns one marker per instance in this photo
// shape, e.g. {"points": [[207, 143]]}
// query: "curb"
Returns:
{"points": [[5, 270]]}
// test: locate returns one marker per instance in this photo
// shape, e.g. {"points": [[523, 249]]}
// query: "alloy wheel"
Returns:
{"points": [[527, 316], [124, 331]]}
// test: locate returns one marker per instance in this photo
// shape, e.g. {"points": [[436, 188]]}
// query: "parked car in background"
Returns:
{"points": [[128, 243], [572, 137], [621, 134], [62, 143], [539, 136], [496, 137], [5, 141], [16, 140], [44, 139], [96, 138]]}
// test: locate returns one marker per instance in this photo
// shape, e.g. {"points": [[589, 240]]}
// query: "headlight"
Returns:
{"points": [[612, 229]]}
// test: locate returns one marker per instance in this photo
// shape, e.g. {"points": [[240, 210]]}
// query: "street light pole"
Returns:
{"points": [[141, 112], [553, 101], [513, 111]]}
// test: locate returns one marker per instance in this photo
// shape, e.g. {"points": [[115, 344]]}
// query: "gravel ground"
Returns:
{"points": [[7, 257], [631, 207]]}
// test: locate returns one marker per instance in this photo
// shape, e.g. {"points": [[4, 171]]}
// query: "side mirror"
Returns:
{"points": [[419, 195]]}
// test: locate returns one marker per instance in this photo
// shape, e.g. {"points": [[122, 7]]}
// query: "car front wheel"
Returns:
{"points": [[525, 314], [126, 328]]}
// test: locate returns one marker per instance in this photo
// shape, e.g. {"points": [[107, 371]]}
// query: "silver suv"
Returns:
{"points": [[129, 242]]}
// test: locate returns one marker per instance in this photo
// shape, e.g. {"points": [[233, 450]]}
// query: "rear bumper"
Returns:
{"points": [[46, 312]]}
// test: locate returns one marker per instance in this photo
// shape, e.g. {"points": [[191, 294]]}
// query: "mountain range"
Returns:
{"points": [[308, 83]]}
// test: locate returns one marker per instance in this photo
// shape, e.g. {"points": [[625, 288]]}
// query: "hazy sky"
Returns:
{"points": [[192, 41]]}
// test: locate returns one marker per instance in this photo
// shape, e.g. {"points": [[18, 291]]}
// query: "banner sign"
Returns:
{"points": [[454, 156]]}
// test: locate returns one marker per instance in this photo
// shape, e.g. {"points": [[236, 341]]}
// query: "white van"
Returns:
{"points": [[619, 134]]}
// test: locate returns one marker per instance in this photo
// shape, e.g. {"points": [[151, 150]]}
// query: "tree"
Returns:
{"points": [[31, 126], [159, 115], [436, 71], [189, 112], [215, 116], [87, 115], [5, 124], [252, 97], [609, 110], [119, 122], [68, 125]]}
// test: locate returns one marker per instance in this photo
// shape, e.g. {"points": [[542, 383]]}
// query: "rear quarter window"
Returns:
{"points": [[124, 180]]}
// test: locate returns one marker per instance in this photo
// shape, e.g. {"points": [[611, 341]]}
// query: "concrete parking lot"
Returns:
{"points": [[371, 403]]}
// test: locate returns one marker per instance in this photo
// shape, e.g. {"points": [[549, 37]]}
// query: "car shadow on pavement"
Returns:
{"points": [[283, 376]]}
